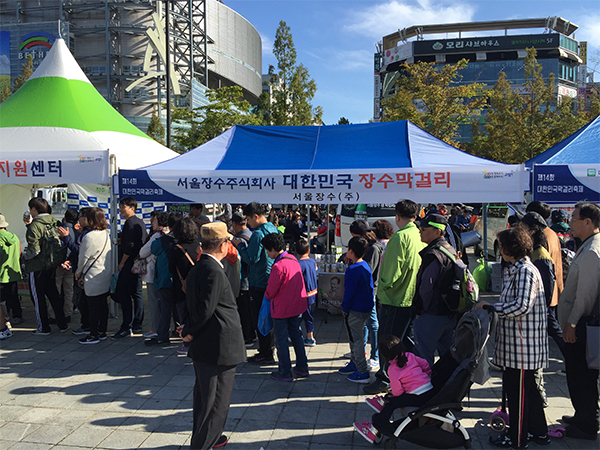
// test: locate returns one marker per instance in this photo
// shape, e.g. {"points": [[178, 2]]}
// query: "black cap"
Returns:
{"points": [[434, 220], [238, 218], [558, 215], [360, 227], [533, 218]]}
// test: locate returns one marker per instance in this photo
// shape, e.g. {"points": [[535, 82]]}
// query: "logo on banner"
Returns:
{"points": [[90, 159], [488, 175], [31, 42], [591, 172]]}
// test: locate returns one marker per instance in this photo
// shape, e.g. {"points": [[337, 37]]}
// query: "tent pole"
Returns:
{"points": [[168, 72], [485, 232], [308, 227]]}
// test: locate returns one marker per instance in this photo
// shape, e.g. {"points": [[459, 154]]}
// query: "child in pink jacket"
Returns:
{"points": [[287, 294], [410, 380]]}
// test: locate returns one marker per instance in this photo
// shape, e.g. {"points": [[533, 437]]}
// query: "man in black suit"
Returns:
{"points": [[215, 335]]}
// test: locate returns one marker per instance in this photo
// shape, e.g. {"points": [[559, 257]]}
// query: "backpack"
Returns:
{"points": [[567, 241], [53, 252], [463, 292]]}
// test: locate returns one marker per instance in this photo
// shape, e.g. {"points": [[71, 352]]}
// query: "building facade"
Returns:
{"points": [[120, 45], [490, 48]]}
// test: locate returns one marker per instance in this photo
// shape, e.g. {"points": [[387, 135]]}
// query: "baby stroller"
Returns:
{"points": [[434, 425]]}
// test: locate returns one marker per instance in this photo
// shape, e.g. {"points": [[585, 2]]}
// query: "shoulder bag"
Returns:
{"points": [[80, 280]]}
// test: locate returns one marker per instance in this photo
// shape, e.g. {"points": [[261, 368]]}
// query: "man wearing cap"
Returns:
{"points": [[215, 335], [435, 322], [10, 272], [578, 303], [562, 230], [397, 282]]}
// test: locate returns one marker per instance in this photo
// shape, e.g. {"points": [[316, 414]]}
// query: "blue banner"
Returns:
{"points": [[566, 183]]}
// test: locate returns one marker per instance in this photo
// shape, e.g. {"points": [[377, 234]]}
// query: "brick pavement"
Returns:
{"points": [[58, 394]]}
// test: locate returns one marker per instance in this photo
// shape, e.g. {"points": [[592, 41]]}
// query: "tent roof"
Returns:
{"points": [[58, 109], [384, 145], [582, 147]]}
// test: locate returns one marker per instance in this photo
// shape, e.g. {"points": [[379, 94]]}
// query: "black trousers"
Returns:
{"points": [[43, 284], [9, 293], [381, 420], [243, 304], [554, 330], [265, 343], [98, 313], [396, 321], [582, 383], [212, 397], [525, 405], [80, 299], [129, 295]]}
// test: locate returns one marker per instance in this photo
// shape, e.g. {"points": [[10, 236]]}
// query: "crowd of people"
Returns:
{"points": [[216, 283]]}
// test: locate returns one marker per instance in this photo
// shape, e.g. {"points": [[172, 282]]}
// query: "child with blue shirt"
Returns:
{"points": [[357, 306], [309, 273]]}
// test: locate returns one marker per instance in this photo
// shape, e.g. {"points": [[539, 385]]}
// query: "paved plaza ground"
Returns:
{"points": [[58, 394]]}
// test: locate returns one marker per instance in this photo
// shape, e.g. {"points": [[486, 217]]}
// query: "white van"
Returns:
{"points": [[346, 214]]}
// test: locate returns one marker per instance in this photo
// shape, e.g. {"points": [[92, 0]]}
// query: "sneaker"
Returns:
{"points": [[182, 349], [149, 334], [376, 403], [277, 376], [17, 320], [250, 343], [42, 333], [5, 334], [261, 359], [359, 377], [503, 441], [373, 365], [348, 369], [137, 330], [539, 440], [89, 340], [121, 334], [368, 431], [155, 342], [221, 442], [300, 373], [310, 342], [63, 330], [377, 387], [80, 332], [348, 355], [102, 336]]}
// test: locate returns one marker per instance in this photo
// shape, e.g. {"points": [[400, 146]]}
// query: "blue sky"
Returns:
{"points": [[335, 39]]}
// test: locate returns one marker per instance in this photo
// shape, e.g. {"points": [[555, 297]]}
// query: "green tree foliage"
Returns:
{"points": [[156, 130], [517, 126], [343, 121], [292, 87], [226, 109], [26, 72], [432, 98]]}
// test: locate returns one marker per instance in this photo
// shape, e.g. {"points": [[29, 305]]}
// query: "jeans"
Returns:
{"points": [[153, 302], [372, 333], [355, 325], [431, 333], [165, 309], [309, 321], [392, 320], [282, 328]]}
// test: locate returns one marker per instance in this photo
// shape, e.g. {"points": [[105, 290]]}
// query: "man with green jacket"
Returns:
{"points": [[42, 279], [10, 272], [397, 282]]}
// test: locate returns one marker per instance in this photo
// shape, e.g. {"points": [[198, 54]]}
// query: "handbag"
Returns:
{"points": [[592, 345], [265, 322], [80, 280], [140, 266]]}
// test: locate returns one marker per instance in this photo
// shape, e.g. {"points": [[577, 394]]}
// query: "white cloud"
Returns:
{"points": [[385, 18], [4, 65], [589, 29], [267, 45], [348, 60]]}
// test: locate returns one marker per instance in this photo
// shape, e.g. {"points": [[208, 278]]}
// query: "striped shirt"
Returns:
{"points": [[522, 333]]}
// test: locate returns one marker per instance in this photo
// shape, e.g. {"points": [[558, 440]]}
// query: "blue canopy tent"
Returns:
{"points": [[364, 163], [569, 171]]}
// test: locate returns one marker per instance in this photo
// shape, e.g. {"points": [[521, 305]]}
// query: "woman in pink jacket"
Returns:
{"points": [[288, 298], [410, 380]]}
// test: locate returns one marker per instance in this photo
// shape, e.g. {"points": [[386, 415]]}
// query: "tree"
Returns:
{"points": [[292, 87], [432, 98], [26, 72], [343, 121], [519, 126], [156, 130], [226, 109]]}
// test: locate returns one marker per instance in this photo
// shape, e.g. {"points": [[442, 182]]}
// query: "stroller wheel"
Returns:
{"points": [[498, 424]]}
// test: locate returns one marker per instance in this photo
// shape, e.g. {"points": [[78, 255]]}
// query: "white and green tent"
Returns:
{"points": [[57, 129]]}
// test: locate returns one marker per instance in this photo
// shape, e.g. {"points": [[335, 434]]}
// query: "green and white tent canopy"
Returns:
{"points": [[57, 128]]}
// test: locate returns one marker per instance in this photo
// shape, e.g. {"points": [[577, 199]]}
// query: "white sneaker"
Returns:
{"points": [[5, 334], [150, 334], [373, 364]]}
